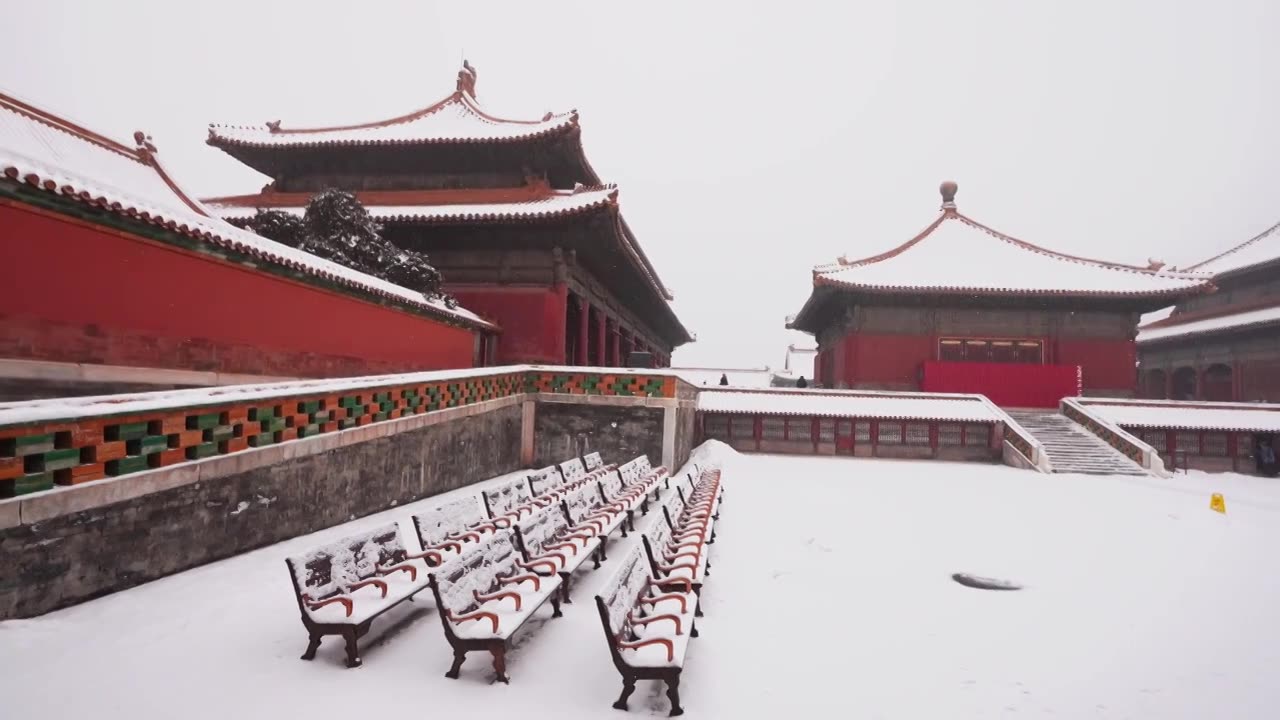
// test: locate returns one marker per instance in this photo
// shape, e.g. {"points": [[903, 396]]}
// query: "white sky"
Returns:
{"points": [[751, 141]]}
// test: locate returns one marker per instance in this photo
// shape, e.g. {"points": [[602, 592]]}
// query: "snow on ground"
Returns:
{"points": [[830, 595]]}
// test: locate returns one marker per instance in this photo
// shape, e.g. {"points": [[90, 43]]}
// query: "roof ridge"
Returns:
{"points": [[47, 118], [841, 262], [1260, 236]]}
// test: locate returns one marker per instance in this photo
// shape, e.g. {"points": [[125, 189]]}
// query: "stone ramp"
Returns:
{"points": [[1071, 448]]}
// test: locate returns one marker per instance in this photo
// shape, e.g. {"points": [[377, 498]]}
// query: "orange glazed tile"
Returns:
{"points": [[190, 438], [233, 445], [171, 424], [10, 468], [108, 451], [235, 415], [165, 458], [88, 433], [83, 473], [288, 434], [250, 428]]}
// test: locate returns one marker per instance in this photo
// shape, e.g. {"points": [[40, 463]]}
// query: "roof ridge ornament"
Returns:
{"points": [[948, 189], [145, 146], [467, 79]]}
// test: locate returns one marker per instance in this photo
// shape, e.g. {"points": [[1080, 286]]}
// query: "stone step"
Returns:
{"points": [[1072, 449]]}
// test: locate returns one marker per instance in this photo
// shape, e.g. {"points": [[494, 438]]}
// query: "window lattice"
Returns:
{"points": [[1189, 443], [1156, 439], [1244, 444], [890, 433], [773, 428], [949, 434], [827, 431], [862, 431], [1215, 445], [717, 426], [917, 433], [976, 434], [744, 427]]}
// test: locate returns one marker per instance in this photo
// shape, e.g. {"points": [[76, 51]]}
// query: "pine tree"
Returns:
{"points": [[280, 226]]}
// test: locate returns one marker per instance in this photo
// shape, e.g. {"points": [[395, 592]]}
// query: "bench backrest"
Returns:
{"points": [[611, 485], [507, 497], [582, 501], [434, 525], [619, 596], [545, 480], [542, 529], [593, 461], [630, 472], [476, 570], [326, 570], [673, 507], [573, 469], [643, 462], [655, 541]]}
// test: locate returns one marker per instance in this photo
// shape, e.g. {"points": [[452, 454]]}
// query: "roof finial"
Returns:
{"points": [[948, 190], [143, 143], [467, 79]]}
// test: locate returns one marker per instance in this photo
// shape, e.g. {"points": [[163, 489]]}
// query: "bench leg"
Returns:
{"points": [[353, 650], [694, 631], [628, 687], [555, 607], [673, 694], [458, 657], [596, 557], [566, 579], [499, 653], [697, 604], [631, 520], [312, 645]]}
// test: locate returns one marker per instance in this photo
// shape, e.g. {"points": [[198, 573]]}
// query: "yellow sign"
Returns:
{"points": [[1217, 504]]}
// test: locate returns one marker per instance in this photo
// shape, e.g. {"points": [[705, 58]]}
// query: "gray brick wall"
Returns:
{"points": [[562, 430]]}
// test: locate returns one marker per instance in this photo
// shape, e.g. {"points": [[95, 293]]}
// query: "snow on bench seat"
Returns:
{"points": [[485, 595], [548, 544], [509, 501], [443, 531], [341, 587], [648, 627], [585, 511]]}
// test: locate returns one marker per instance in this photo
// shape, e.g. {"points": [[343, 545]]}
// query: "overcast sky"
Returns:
{"points": [[751, 141]]}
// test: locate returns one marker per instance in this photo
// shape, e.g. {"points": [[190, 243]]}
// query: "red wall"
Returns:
{"points": [[896, 361], [71, 291], [1005, 384], [532, 320]]}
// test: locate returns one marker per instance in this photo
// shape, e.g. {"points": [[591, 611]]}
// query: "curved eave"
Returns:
{"points": [[1194, 334], [661, 297], [1164, 295], [495, 218], [70, 192]]}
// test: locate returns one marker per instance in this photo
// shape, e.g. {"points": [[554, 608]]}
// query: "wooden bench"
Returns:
{"points": [[677, 546], [548, 543], [648, 624], [445, 530], [509, 502], [546, 485], [344, 585], [487, 594], [585, 510]]}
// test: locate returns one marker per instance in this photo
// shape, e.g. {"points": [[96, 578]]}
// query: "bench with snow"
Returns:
{"points": [[639, 479], [444, 531], [648, 623], [344, 585], [487, 594], [586, 511], [677, 545], [576, 472], [547, 486], [509, 502], [593, 462], [548, 543]]}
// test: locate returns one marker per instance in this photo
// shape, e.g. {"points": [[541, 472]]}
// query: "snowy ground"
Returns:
{"points": [[830, 595]]}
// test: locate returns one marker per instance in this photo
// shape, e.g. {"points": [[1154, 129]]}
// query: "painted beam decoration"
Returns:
{"points": [[35, 457]]}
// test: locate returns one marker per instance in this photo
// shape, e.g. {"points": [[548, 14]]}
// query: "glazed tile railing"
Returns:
{"points": [[78, 440], [1115, 436]]}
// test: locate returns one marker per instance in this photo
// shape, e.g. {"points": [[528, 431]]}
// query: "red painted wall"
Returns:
{"points": [[896, 361], [1005, 384], [532, 320], [71, 291]]}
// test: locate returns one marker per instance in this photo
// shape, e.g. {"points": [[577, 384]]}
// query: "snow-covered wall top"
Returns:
{"points": [[60, 157], [1170, 328], [1176, 414], [851, 404]]}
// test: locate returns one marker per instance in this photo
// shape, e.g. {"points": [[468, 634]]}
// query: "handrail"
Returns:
{"points": [[1115, 436]]}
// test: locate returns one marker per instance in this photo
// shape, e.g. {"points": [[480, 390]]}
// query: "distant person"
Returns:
{"points": [[724, 379], [801, 383]]}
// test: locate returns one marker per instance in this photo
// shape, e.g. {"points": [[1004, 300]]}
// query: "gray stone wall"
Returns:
{"points": [[618, 432], [76, 556]]}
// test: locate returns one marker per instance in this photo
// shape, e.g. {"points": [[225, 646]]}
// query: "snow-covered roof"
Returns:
{"points": [[738, 377], [456, 119], [908, 406], [1176, 414], [536, 202], [61, 157], [1171, 328], [956, 254], [1257, 250]]}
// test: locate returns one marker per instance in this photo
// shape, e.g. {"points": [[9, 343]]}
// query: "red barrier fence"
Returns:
{"points": [[1005, 384]]}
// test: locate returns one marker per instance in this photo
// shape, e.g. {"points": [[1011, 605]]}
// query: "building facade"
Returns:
{"points": [[121, 281], [964, 308], [1225, 346], [509, 211]]}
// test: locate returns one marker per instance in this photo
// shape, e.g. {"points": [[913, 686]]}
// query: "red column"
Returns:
{"points": [[615, 343], [602, 339], [584, 317]]}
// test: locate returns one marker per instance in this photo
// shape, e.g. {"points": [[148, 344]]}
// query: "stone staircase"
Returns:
{"points": [[1071, 448]]}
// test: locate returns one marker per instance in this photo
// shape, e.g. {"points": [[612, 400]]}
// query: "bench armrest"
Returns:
{"points": [[380, 584], [465, 535], [655, 599], [533, 563], [317, 604], [662, 583], [671, 650], [547, 556], [537, 581], [427, 555], [405, 567], [678, 566], [654, 618], [573, 549], [476, 615], [446, 545], [485, 597]]}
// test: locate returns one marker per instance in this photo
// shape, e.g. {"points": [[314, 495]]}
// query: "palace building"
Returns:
{"points": [[1224, 346], [118, 280], [964, 308], [510, 212]]}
